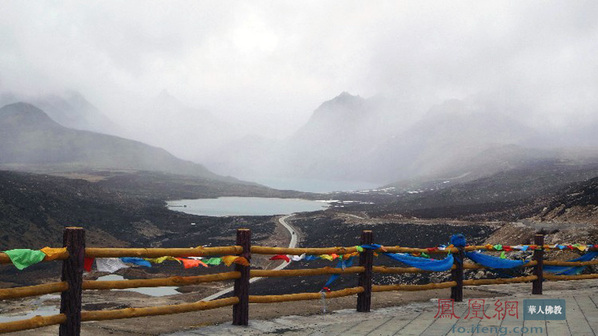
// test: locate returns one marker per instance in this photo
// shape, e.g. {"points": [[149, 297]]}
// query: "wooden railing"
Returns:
{"points": [[72, 284]]}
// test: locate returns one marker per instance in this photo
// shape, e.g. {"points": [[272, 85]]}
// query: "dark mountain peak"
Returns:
{"points": [[345, 98], [24, 114], [343, 106]]}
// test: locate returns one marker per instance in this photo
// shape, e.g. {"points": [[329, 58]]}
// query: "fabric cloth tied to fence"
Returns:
{"points": [[23, 258], [492, 261], [341, 264], [434, 265], [570, 270], [109, 265], [136, 261]]}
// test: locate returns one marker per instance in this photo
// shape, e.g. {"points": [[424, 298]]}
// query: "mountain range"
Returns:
{"points": [[386, 141], [348, 138]]}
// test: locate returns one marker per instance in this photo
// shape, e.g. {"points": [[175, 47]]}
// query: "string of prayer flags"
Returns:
{"points": [[53, 253], [136, 261], [23, 258], [109, 265], [281, 257]]}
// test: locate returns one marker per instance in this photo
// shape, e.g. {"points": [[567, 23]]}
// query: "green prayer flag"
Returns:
{"points": [[23, 258], [359, 248], [214, 261], [503, 255]]}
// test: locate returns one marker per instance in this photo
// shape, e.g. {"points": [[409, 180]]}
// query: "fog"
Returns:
{"points": [[213, 82]]}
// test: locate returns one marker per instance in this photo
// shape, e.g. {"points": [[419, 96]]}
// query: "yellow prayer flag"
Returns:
{"points": [[228, 260], [53, 253]]}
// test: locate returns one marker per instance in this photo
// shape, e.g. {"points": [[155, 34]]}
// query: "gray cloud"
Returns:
{"points": [[265, 63]]}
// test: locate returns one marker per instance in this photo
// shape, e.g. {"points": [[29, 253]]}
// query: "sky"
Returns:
{"points": [[269, 64]]}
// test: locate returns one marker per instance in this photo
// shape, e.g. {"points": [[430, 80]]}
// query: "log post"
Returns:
{"points": [[539, 267], [241, 309], [366, 259], [72, 273], [457, 275]]}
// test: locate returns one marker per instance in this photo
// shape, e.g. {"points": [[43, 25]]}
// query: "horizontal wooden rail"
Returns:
{"points": [[99, 252], [570, 263], [304, 272], [304, 296], [478, 282], [171, 281], [5, 259], [386, 288], [553, 277], [302, 250], [159, 310], [19, 292], [32, 323]]}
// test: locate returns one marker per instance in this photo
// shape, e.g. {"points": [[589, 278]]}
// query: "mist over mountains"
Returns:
{"points": [[382, 141], [377, 140], [28, 137]]}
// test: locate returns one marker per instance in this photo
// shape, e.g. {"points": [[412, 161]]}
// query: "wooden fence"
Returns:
{"points": [[72, 285]]}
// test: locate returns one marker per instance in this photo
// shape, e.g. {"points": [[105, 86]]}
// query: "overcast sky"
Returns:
{"points": [[278, 60]]}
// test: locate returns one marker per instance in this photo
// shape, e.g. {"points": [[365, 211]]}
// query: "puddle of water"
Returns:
{"points": [[39, 310], [46, 310], [153, 291]]}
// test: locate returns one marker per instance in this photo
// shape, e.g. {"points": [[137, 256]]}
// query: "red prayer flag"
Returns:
{"points": [[87, 263], [281, 257]]}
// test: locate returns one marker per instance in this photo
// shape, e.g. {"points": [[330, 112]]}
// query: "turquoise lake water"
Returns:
{"points": [[245, 206]]}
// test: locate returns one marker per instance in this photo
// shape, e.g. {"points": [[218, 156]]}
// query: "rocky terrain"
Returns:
{"points": [[34, 209]]}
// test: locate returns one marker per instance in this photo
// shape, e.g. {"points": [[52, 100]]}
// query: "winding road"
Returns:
{"points": [[293, 243]]}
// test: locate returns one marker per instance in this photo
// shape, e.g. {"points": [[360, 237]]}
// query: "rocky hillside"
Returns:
{"points": [[119, 209], [508, 195], [578, 203]]}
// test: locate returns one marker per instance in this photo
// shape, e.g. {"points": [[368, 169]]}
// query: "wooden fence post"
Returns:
{"points": [[241, 309], [457, 275], [539, 267], [72, 273], [366, 259]]}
